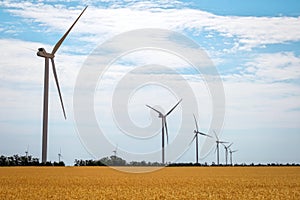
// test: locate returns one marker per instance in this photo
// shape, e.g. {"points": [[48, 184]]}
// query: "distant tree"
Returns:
{"points": [[76, 162], [117, 161], [48, 163], [61, 163], [105, 161], [3, 161]]}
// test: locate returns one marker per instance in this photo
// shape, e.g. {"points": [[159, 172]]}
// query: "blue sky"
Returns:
{"points": [[249, 8], [253, 44]]}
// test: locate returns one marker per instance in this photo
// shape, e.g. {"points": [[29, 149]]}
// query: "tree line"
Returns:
{"points": [[29, 160], [17, 160], [117, 161], [114, 161]]}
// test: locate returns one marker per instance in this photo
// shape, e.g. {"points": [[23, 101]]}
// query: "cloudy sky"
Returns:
{"points": [[254, 45]]}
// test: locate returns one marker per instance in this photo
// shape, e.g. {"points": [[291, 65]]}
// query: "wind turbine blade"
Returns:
{"points": [[223, 142], [230, 145], [196, 123], [174, 107], [66, 34], [165, 121], [57, 84], [204, 134], [215, 150], [216, 135], [192, 140], [154, 109]]}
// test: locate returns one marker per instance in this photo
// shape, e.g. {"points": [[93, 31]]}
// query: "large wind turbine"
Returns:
{"points": [[230, 151], [42, 53], [196, 132], [226, 151], [164, 126], [217, 148]]}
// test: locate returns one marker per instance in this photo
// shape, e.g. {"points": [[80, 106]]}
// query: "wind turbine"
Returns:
{"points": [[230, 151], [226, 151], [42, 53], [196, 137], [115, 151], [26, 152], [217, 148], [164, 126], [59, 155]]}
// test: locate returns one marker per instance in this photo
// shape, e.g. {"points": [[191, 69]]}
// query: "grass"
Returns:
{"points": [[166, 183]]}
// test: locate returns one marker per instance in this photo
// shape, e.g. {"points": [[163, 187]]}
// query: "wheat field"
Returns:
{"points": [[166, 183]]}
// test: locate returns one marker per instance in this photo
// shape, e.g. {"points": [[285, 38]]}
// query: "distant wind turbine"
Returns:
{"points": [[230, 151], [196, 132], [226, 151], [26, 152], [42, 53], [59, 155], [115, 151], [164, 126], [217, 148]]}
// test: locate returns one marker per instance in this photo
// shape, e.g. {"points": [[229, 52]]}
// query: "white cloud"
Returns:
{"points": [[102, 23], [264, 94], [256, 105], [20, 63], [274, 67]]}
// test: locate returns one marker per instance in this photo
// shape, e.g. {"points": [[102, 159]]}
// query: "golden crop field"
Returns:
{"points": [[166, 183]]}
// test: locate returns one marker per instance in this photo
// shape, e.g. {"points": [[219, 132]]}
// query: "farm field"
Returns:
{"points": [[166, 183]]}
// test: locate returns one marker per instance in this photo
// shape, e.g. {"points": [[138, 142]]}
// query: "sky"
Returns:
{"points": [[253, 45]]}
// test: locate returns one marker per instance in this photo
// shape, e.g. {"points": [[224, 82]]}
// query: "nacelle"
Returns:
{"points": [[42, 53]]}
